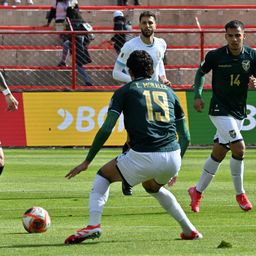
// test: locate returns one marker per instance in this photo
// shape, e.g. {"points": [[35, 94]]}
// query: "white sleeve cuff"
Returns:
{"points": [[6, 92]]}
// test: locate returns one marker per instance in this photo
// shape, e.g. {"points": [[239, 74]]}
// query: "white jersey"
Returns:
{"points": [[155, 50]]}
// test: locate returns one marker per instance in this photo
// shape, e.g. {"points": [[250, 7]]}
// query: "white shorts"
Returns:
{"points": [[137, 167], [228, 129]]}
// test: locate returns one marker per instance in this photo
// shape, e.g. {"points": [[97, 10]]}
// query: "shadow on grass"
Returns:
{"points": [[90, 243], [43, 245]]}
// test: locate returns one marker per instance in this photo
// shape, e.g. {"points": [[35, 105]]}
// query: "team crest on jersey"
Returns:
{"points": [[232, 134], [246, 65]]}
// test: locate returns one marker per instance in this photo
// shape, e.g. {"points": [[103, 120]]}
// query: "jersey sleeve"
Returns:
{"points": [[124, 54], [117, 101], [179, 113], [164, 46], [253, 66], [208, 64]]}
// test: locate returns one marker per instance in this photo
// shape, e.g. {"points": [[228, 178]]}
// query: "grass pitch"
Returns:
{"points": [[134, 225]]}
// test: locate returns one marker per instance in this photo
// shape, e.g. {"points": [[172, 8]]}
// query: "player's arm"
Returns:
{"points": [[99, 140], [198, 89], [184, 139], [252, 82], [11, 101], [162, 74], [183, 134], [102, 135], [199, 83], [3, 86], [118, 73], [181, 126]]}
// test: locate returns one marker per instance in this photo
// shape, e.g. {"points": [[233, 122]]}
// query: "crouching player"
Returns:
{"points": [[151, 114]]}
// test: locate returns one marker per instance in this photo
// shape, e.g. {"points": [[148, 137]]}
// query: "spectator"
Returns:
{"points": [[58, 12], [119, 24], [125, 2], [82, 43]]}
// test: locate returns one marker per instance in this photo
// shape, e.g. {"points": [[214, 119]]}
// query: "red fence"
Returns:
{"points": [[30, 53], [30, 61]]}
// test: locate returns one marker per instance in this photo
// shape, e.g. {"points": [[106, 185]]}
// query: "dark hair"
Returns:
{"points": [[141, 64], [234, 24], [147, 14]]}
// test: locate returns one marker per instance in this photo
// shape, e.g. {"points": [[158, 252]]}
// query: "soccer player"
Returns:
{"points": [[146, 41], [151, 111], [12, 104], [155, 46], [233, 69]]}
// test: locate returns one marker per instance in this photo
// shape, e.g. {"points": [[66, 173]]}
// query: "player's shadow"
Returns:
{"points": [[89, 243], [42, 245]]}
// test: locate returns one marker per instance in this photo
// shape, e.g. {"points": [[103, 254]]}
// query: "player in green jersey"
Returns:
{"points": [[151, 114], [233, 69]]}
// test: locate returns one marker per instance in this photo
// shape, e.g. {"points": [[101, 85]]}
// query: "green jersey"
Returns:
{"points": [[150, 110], [230, 77]]}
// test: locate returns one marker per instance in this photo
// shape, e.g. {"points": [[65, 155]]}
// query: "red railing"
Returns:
{"points": [[201, 32], [200, 47]]}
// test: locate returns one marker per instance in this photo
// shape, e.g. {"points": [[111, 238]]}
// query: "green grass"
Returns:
{"points": [[134, 225]]}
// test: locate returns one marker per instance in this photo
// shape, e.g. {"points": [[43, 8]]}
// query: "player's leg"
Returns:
{"points": [[237, 172], [229, 130], [98, 198], [1, 159], [212, 164], [126, 188], [166, 165], [168, 201]]}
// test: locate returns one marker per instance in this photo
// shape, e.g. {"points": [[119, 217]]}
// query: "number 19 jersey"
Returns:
{"points": [[150, 110]]}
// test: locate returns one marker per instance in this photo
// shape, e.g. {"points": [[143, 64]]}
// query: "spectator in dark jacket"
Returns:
{"points": [[119, 24], [82, 42]]}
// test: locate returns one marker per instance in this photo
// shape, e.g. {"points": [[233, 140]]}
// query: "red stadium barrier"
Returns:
{"points": [[101, 47]]}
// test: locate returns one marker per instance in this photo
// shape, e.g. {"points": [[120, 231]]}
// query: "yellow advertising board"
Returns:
{"points": [[68, 118], [71, 118]]}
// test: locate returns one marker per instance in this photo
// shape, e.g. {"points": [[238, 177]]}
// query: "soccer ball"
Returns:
{"points": [[36, 220]]}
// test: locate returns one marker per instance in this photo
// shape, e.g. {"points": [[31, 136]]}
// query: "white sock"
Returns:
{"points": [[98, 199], [209, 170], [237, 172], [168, 201]]}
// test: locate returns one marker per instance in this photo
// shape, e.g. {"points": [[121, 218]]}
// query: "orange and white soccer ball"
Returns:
{"points": [[36, 220]]}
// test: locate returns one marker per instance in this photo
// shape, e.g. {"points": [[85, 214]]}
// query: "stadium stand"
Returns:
{"points": [[29, 52]]}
